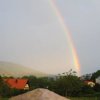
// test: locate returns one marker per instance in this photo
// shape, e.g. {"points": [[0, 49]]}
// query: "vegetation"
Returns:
{"points": [[69, 84], [66, 84], [95, 75], [85, 98], [4, 88]]}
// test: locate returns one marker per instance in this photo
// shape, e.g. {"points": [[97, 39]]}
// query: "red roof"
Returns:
{"points": [[87, 81], [16, 83]]}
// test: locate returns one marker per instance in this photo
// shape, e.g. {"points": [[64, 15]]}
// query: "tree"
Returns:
{"points": [[43, 82], [97, 87], [87, 90], [5, 90], [95, 75], [69, 84], [32, 81]]}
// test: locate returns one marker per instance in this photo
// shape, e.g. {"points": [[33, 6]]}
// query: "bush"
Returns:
{"points": [[87, 90], [97, 88]]}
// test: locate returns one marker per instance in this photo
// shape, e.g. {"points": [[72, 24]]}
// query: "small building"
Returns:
{"points": [[21, 84], [98, 80], [90, 83]]}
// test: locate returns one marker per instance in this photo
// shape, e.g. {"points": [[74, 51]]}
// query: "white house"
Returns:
{"points": [[98, 80]]}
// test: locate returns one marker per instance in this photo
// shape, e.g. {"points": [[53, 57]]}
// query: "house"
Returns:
{"points": [[90, 83], [98, 80], [21, 84]]}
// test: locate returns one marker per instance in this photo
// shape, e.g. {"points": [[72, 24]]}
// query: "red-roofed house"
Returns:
{"points": [[17, 83]]}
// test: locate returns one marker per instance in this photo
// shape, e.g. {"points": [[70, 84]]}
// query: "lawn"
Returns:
{"points": [[85, 98]]}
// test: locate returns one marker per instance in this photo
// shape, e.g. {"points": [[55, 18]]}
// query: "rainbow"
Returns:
{"points": [[72, 48]]}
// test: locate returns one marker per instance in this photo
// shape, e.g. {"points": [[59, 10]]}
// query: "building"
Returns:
{"points": [[21, 84], [90, 83], [98, 80]]}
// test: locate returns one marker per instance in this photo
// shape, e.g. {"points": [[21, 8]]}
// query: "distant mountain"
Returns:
{"points": [[16, 70]]}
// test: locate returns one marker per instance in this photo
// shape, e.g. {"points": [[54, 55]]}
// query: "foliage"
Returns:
{"points": [[4, 88], [97, 87], [66, 84], [85, 98], [69, 84], [95, 75], [87, 90], [32, 81]]}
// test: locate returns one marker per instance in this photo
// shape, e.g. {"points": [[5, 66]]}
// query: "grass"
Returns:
{"points": [[3, 98], [85, 98]]}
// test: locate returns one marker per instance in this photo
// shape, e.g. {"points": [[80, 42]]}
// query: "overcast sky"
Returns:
{"points": [[30, 34]]}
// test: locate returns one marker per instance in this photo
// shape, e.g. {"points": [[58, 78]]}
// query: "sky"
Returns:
{"points": [[31, 35]]}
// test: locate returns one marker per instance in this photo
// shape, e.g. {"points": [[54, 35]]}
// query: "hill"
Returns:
{"points": [[16, 70]]}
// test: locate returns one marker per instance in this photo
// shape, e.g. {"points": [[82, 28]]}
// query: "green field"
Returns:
{"points": [[85, 98]]}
